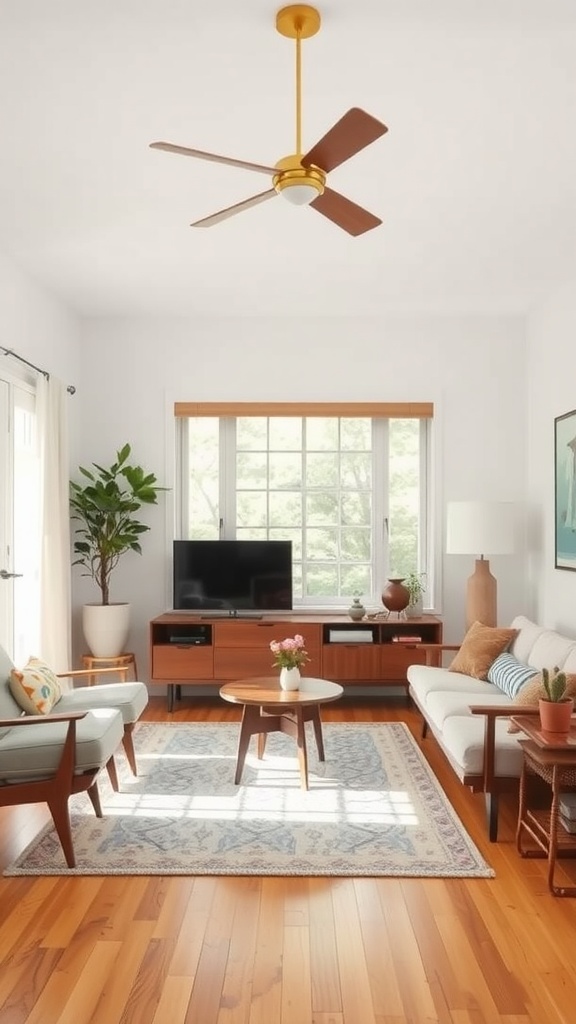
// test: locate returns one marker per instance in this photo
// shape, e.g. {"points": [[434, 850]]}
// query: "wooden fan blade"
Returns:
{"points": [[348, 136], [343, 212], [168, 147], [230, 211]]}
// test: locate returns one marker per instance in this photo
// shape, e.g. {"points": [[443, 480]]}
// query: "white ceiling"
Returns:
{"points": [[475, 180]]}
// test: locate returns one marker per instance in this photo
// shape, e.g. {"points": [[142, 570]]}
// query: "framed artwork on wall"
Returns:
{"points": [[565, 490]]}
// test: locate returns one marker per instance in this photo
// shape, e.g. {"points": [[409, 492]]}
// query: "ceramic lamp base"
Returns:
{"points": [[481, 595]]}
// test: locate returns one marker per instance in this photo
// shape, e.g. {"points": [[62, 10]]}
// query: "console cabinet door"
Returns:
{"points": [[175, 663], [353, 662]]}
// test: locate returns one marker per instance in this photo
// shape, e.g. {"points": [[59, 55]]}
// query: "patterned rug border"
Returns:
{"points": [[458, 842]]}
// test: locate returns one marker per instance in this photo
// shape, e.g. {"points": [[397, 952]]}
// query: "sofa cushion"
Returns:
{"points": [[550, 649], [509, 674], [480, 647], [442, 706], [427, 679], [463, 740], [36, 688], [528, 633], [569, 665]]}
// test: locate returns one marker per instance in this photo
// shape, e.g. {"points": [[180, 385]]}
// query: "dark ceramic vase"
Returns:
{"points": [[395, 596]]}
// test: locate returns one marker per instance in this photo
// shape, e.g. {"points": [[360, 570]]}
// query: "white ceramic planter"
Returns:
{"points": [[414, 611], [106, 628]]}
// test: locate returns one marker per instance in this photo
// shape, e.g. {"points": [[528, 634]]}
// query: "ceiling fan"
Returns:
{"points": [[301, 178]]}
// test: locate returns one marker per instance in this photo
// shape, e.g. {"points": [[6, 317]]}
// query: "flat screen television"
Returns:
{"points": [[232, 576]]}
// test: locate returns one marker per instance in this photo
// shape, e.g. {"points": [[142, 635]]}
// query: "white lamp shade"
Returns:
{"points": [[481, 528]]}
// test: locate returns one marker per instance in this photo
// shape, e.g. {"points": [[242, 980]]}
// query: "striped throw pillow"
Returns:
{"points": [[509, 674]]}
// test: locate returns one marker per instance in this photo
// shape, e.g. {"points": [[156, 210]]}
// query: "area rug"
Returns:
{"points": [[374, 807]]}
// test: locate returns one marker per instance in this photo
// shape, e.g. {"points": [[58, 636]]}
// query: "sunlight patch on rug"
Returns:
{"points": [[374, 808]]}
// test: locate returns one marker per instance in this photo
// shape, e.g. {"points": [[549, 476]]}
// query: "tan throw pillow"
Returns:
{"points": [[480, 647], [530, 694], [35, 688]]}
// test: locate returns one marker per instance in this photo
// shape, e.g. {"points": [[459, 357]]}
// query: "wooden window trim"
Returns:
{"points": [[385, 410]]}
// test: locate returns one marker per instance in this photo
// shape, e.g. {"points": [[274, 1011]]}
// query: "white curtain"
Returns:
{"points": [[55, 568]]}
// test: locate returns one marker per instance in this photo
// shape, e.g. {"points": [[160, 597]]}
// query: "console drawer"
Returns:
{"points": [[177, 662]]}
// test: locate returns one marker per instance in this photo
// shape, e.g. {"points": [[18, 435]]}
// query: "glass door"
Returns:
{"points": [[20, 518]]}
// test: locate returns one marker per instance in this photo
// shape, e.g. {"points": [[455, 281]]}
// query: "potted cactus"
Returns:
{"points": [[555, 708]]}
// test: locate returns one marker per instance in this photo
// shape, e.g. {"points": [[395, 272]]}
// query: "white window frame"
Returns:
{"points": [[380, 489]]}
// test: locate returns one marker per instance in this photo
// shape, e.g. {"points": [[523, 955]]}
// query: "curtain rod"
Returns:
{"points": [[10, 352]]}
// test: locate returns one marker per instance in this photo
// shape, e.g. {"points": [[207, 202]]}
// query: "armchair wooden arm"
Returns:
{"points": [[10, 723], [58, 787], [77, 672]]}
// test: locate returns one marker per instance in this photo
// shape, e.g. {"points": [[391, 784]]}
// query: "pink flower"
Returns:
{"points": [[290, 652]]}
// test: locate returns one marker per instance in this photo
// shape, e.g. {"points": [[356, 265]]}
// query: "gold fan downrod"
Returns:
{"points": [[299, 21]]}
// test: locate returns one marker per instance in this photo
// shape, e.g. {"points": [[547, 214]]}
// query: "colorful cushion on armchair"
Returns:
{"points": [[35, 688]]}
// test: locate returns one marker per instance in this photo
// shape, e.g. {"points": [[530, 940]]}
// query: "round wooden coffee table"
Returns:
{"points": [[267, 708]]}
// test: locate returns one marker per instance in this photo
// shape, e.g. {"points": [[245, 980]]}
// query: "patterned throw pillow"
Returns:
{"points": [[509, 674], [35, 688], [480, 647], [529, 695]]}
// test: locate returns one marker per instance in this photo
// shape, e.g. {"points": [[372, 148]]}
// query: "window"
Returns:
{"points": [[349, 488]]}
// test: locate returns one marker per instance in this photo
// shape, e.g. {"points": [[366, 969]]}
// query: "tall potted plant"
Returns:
{"points": [[104, 508]]}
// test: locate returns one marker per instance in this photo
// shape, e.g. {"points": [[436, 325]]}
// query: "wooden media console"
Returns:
{"points": [[198, 650]]}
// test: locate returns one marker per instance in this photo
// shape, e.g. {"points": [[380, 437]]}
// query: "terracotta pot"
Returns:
{"points": [[395, 596], [556, 716]]}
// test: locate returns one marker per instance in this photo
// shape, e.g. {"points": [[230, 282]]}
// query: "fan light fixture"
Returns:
{"points": [[301, 177], [298, 193], [299, 185]]}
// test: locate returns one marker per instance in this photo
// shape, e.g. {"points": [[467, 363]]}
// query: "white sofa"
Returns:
{"points": [[469, 717]]}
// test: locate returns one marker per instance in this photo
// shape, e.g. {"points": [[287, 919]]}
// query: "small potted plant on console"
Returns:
{"points": [[555, 708], [415, 583]]}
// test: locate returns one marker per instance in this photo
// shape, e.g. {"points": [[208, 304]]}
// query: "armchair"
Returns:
{"points": [[49, 756]]}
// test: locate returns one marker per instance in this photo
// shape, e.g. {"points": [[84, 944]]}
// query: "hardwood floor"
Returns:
{"points": [[165, 950]]}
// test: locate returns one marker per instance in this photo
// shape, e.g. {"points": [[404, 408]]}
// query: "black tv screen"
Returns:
{"points": [[232, 575]]}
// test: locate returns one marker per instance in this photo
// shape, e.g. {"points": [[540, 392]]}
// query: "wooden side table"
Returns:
{"points": [[553, 759], [123, 662]]}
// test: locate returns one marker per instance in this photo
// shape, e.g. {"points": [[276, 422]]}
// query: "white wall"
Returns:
{"points": [[551, 392], [473, 368], [36, 326], [496, 397]]}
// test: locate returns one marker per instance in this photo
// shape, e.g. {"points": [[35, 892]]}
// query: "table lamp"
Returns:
{"points": [[485, 528]]}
